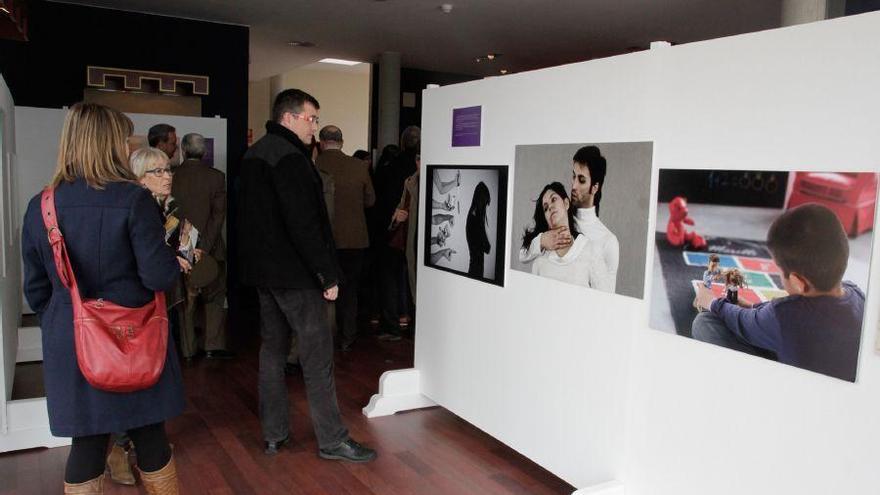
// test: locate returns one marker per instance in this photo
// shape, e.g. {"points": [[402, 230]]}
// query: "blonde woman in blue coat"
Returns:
{"points": [[116, 243]]}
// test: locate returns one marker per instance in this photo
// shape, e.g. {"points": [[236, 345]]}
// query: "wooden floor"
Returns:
{"points": [[218, 445]]}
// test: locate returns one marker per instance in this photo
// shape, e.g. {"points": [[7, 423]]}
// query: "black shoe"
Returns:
{"points": [[219, 354], [291, 369], [348, 450], [272, 448]]}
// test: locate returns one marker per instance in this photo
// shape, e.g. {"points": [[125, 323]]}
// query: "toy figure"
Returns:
{"points": [[675, 231], [733, 279], [713, 271]]}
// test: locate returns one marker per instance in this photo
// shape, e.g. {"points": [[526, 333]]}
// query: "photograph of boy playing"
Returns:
{"points": [[818, 325]]}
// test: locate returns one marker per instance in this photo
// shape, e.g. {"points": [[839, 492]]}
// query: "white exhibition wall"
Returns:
{"points": [[575, 379], [803, 98], [10, 275], [546, 370]]}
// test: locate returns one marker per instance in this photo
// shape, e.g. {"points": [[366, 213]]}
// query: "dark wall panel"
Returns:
{"points": [[50, 69]]}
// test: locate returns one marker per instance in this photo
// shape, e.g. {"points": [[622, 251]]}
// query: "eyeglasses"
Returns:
{"points": [[312, 119], [158, 172]]}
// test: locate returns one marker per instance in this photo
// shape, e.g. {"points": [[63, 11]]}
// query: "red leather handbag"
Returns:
{"points": [[118, 349]]}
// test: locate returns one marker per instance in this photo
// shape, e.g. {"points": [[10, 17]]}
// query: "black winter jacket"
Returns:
{"points": [[285, 238]]}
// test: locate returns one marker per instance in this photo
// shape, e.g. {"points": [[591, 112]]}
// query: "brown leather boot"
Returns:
{"points": [[92, 487], [161, 482], [119, 467]]}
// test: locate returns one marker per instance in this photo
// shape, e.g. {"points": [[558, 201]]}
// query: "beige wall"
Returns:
{"points": [[259, 105], [344, 95]]}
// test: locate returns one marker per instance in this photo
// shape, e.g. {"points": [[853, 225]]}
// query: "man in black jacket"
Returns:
{"points": [[288, 254]]}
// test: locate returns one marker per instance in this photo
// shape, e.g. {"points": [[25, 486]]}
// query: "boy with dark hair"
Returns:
{"points": [[818, 326]]}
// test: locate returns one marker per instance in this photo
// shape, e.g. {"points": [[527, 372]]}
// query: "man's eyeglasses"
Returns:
{"points": [[313, 119], [158, 172]]}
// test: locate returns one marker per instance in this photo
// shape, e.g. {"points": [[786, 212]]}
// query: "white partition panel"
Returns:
{"points": [[541, 365], [10, 277], [575, 379], [708, 420]]}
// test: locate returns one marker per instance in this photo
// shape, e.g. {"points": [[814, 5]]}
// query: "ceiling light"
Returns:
{"points": [[503, 71], [338, 61], [446, 8], [491, 56], [478, 59], [301, 44]]}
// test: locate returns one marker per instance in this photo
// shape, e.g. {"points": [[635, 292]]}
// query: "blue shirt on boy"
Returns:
{"points": [[820, 334]]}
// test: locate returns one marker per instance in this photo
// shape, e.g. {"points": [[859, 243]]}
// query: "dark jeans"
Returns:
{"points": [[302, 312], [352, 263], [88, 454], [395, 288]]}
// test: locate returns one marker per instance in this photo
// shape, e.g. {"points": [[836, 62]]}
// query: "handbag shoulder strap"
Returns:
{"points": [[56, 239]]}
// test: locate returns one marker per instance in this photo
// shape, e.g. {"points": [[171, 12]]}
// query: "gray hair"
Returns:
{"points": [[146, 159], [193, 146], [330, 133]]}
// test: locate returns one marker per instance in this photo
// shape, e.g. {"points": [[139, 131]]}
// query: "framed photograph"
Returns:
{"points": [[580, 214], [465, 219], [769, 263]]}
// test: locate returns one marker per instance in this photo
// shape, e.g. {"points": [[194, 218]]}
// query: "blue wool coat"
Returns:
{"points": [[116, 243]]}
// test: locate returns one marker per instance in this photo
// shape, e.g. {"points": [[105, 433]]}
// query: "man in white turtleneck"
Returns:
{"points": [[588, 169]]}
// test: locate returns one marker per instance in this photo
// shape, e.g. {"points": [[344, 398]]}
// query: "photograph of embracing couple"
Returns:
{"points": [[580, 214]]}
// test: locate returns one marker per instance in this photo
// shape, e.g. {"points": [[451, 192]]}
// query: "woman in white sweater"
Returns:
{"points": [[576, 263]]}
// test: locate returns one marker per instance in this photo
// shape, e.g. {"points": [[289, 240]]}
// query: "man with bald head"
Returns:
{"points": [[354, 193]]}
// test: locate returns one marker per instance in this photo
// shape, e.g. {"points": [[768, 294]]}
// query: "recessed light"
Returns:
{"points": [[301, 44], [338, 61], [491, 56], [478, 59], [503, 71]]}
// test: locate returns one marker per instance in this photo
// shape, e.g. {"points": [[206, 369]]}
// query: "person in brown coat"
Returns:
{"points": [[354, 192], [200, 192]]}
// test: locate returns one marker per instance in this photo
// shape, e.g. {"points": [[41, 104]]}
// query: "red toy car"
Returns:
{"points": [[852, 196]]}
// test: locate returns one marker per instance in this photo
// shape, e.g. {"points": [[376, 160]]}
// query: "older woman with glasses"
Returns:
{"points": [[152, 169]]}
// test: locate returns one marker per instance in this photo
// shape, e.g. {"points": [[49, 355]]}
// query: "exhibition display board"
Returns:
{"points": [[596, 377]]}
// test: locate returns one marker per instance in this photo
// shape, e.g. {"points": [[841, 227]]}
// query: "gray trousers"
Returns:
{"points": [[215, 327], [303, 313], [707, 327]]}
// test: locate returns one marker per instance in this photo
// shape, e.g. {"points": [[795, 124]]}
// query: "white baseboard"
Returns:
{"points": [[28, 426], [30, 345], [608, 488], [399, 390]]}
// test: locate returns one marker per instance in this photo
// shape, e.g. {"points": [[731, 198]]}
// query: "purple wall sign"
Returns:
{"points": [[466, 126], [208, 159]]}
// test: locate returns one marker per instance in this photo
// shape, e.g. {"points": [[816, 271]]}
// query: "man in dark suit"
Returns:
{"points": [[353, 193], [288, 254], [200, 194]]}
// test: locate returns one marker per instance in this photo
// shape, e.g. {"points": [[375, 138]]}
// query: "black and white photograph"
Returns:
{"points": [[580, 214], [465, 218]]}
